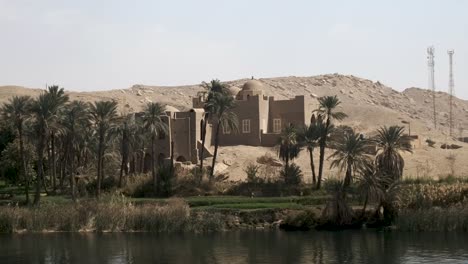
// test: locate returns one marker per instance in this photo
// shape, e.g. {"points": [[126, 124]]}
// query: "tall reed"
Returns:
{"points": [[112, 214]]}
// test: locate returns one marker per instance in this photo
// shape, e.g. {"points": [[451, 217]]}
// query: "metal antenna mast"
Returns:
{"points": [[451, 89], [430, 64]]}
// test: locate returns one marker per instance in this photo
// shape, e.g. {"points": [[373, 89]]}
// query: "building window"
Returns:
{"points": [[246, 126], [276, 125], [226, 130]]}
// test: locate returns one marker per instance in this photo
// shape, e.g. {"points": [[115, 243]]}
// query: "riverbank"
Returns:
{"points": [[421, 206], [119, 214]]}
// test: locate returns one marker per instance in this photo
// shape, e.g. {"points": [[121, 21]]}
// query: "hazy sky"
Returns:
{"points": [[104, 44]]}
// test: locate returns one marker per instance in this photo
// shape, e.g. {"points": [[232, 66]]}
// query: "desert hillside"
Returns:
{"points": [[369, 105]]}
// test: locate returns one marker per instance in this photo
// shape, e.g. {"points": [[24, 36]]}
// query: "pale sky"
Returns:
{"points": [[90, 45]]}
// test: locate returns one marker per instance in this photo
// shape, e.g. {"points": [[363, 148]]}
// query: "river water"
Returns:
{"points": [[236, 247]]}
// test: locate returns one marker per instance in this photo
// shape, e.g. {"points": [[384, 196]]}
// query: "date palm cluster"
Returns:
{"points": [[58, 141], [375, 161]]}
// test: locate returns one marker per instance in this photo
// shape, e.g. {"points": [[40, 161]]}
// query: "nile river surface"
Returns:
{"points": [[237, 247]]}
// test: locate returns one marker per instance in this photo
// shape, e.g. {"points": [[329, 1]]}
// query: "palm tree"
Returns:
{"points": [[350, 155], [389, 164], [371, 185], [127, 130], [289, 147], [16, 111], [103, 117], [43, 110], [213, 87], [221, 107], [155, 126], [390, 142], [75, 120], [309, 136], [59, 98], [327, 109]]}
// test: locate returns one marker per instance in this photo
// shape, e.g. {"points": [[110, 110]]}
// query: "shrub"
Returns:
{"points": [[303, 220], [337, 211], [252, 173], [166, 180], [292, 174], [139, 186], [108, 183]]}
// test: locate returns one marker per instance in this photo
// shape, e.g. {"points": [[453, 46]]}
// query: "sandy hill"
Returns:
{"points": [[369, 105]]}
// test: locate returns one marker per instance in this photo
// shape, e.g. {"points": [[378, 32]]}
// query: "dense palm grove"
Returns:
{"points": [[50, 142], [57, 140]]}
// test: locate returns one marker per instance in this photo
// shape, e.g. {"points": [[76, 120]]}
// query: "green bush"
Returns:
{"points": [[292, 174], [166, 180], [139, 186], [302, 220], [252, 173]]}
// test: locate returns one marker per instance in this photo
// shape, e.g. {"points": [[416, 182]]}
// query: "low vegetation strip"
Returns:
{"points": [[114, 215], [433, 219], [241, 201], [253, 206]]}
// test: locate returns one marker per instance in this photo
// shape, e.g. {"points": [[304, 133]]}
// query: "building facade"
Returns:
{"points": [[261, 120]]}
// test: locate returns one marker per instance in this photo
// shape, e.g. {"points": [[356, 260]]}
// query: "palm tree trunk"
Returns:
{"points": [[48, 177], [323, 144], [98, 187], [153, 167], [347, 179], [205, 122], [321, 159], [54, 169], [124, 157], [312, 166], [215, 154], [365, 206], [172, 159], [100, 165], [72, 175], [133, 164], [122, 164], [40, 171], [64, 161], [40, 175], [142, 161], [23, 164], [389, 213]]}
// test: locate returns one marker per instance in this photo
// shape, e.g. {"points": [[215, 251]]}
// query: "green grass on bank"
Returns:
{"points": [[240, 202], [316, 198], [207, 202], [253, 206]]}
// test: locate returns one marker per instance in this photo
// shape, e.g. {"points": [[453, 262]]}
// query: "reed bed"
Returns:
{"points": [[114, 214], [433, 219], [417, 196]]}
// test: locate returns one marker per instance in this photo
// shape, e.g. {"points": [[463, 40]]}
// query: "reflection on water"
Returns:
{"points": [[236, 247]]}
